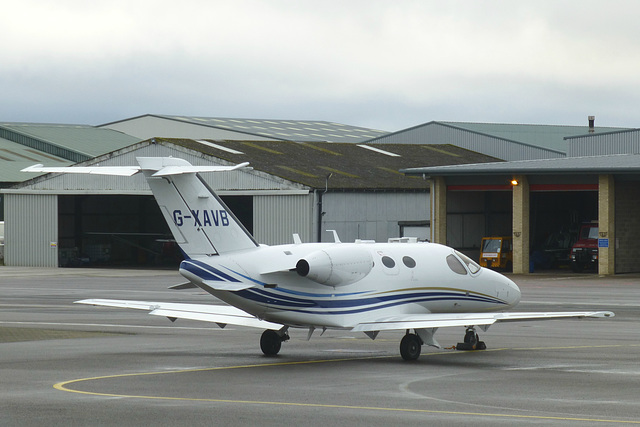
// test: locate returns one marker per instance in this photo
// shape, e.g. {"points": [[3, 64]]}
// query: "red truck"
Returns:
{"points": [[584, 253]]}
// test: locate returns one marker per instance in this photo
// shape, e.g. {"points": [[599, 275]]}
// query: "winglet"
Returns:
{"points": [[603, 314]]}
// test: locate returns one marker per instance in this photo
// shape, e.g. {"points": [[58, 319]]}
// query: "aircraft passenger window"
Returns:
{"points": [[473, 267], [388, 262], [408, 261], [455, 265]]}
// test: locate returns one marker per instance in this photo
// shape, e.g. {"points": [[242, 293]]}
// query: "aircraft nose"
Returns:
{"points": [[505, 288], [514, 292]]}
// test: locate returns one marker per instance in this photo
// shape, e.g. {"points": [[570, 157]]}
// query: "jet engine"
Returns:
{"points": [[336, 266]]}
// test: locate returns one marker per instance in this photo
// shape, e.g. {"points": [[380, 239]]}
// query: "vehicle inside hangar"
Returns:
{"points": [[555, 218]]}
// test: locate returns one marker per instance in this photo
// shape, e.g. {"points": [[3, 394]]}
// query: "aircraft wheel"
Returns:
{"points": [[470, 337], [270, 342], [576, 267], [410, 347]]}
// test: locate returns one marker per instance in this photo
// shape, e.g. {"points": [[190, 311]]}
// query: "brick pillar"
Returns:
{"points": [[439, 210], [606, 225], [521, 226]]}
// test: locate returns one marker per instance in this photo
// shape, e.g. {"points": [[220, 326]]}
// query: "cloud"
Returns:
{"points": [[359, 62]]}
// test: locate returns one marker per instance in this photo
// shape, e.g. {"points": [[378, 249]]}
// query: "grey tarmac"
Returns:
{"points": [[68, 364]]}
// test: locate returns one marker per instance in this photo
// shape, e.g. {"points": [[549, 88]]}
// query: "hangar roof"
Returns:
{"points": [[283, 130], [23, 144], [83, 139], [611, 164], [14, 157], [546, 136], [351, 166], [550, 137]]}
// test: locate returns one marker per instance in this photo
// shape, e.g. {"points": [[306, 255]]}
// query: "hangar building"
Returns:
{"points": [[303, 188], [503, 141], [478, 202], [598, 180]]}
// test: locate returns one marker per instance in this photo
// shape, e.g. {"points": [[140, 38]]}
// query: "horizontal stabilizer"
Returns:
{"points": [[220, 314], [177, 170], [161, 169], [90, 170]]}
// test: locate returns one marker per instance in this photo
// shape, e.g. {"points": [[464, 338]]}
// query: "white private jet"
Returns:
{"points": [[363, 286]]}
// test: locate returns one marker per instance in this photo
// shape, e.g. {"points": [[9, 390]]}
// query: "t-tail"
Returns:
{"points": [[199, 220]]}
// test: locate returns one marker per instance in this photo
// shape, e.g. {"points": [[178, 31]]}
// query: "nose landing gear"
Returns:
{"points": [[471, 341]]}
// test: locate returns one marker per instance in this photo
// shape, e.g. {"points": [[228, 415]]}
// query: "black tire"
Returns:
{"points": [[577, 267], [410, 347], [270, 343], [470, 337]]}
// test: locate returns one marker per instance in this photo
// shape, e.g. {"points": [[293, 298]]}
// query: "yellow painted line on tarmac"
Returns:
{"points": [[63, 386]]}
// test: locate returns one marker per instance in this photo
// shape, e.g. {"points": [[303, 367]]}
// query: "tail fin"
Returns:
{"points": [[199, 220]]}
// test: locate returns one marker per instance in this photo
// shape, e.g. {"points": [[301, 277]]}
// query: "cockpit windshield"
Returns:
{"points": [[471, 264], [589, 233], [457, 267]]}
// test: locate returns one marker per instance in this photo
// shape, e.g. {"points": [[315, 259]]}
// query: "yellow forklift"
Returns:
{"points": [[497, 253]]}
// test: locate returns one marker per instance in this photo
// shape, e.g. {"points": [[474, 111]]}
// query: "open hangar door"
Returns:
{"points": [[556, 214], [483, 211], [123, 230], [627, 226]]}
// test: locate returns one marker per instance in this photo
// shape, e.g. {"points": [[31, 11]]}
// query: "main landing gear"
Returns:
{"points": [[271, 341], [411, 344]]}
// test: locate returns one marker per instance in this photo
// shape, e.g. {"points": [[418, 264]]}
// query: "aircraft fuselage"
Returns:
{"points": [[338, 285]]}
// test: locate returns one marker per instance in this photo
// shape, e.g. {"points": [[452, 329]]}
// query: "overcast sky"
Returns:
{"points": [[382, 64]]}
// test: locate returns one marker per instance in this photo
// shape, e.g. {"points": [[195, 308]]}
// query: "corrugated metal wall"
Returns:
{"points": [[371, 215], [276, 218], [496, 147], [609, 143], [31, 230]]}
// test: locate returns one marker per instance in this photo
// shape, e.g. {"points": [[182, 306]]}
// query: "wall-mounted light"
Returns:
{"points": [[514, 182]]}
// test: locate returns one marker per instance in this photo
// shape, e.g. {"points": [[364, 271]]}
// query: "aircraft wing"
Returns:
{"points": [[442, 320], [219, 314]]}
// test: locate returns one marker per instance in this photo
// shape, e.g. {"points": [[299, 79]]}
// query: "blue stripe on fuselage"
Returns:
{"points": [[350, 306], [206, 271], [323, 303]]}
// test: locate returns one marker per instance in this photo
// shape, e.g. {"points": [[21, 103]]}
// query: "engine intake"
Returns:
{"points": [[336, 266]]}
